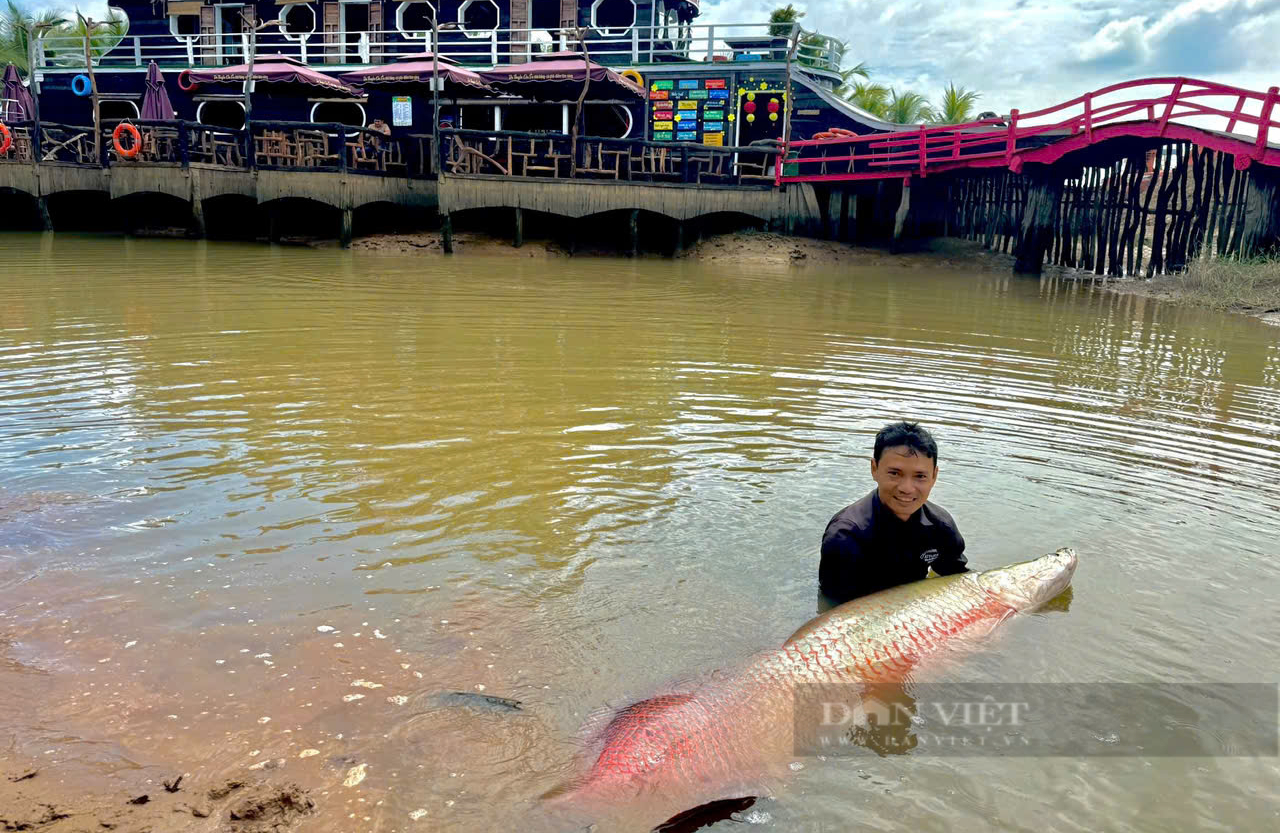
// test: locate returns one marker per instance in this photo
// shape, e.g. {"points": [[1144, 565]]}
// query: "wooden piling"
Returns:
{"points": [[517, 236], [46, 220], [1044, 197], [346, 229], [1261, 220], [900, 219], [633, 232], [446, 233]]}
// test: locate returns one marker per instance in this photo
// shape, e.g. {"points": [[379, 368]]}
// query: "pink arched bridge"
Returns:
{"points": [[1188, 110]]}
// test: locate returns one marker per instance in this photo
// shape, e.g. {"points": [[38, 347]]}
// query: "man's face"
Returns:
{"points": [[905, 478]]}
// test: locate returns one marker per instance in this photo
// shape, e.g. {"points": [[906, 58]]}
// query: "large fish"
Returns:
{"points": [[666, 754]]}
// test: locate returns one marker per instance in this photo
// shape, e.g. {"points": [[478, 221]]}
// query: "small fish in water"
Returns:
{"points": [[479, 702]]}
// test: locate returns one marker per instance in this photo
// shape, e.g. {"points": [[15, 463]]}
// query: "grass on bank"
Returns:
{"points": [[1227, 284]]}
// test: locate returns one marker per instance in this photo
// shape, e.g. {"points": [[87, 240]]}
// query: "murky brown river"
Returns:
{"points": [[262, 501]]}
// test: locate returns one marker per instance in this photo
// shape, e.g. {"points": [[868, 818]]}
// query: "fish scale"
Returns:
{"points": [[706, 744]]}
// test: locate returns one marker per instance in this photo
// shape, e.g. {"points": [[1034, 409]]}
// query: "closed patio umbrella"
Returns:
{"points": [[18, 105], [155, 103]]}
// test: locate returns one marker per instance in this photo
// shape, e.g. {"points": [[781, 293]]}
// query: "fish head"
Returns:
{"points": [[1029, 584]]}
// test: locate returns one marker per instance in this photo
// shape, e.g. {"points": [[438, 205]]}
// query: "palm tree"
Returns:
{"points": [[957, 105], [874, 98], [104, 37], [15, 23], [783, 18], [907, 107], [860, 70]]}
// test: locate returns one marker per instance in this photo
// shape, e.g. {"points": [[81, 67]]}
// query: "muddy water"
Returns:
{"points": [[260, 505]]}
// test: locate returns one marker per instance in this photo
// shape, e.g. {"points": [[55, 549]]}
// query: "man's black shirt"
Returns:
{"points": [[867, 548]]}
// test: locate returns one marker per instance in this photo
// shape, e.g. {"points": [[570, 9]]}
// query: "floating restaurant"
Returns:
{"points": [[252, 110], [690, 82]]}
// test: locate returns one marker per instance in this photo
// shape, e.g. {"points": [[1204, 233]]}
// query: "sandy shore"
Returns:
{"points": [[766, 248]]}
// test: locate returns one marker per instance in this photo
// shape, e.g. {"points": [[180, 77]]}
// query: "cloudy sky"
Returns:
{"points": [[1031, 53]]}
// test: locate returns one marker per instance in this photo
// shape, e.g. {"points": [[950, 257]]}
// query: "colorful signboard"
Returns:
{"points": [[689, 110]]}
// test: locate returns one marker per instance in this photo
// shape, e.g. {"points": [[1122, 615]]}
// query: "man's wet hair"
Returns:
{"points": [[910, 434]]}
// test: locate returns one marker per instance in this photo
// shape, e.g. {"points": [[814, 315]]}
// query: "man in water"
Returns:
{"points": [[893, 535]]}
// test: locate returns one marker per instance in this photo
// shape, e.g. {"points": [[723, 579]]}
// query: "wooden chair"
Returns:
{"points": [[595, 163], [762, 167], [225, 149], [313, 149], [710, 165], [392, 157], [365, 153], [275, 147]]}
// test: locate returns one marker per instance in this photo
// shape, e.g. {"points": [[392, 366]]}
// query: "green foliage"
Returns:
{"points": [[16, 20], [907, 107], [1251, 285], [867, 95], [783, 17], [957, 105]]}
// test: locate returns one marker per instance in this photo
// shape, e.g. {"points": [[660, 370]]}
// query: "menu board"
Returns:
{"points": [[689, 110]]}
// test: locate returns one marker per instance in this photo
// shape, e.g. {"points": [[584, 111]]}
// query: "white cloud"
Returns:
{"points": [[1034, 53]]}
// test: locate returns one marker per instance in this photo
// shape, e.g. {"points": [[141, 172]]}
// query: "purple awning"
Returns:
{"points": [[155, 103], [560, 78], [418, 69], [276, 70], [18, 105]]}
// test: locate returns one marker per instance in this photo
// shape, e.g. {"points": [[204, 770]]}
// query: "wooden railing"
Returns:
{"points": [[268, 145], [631, 45], [1010, 141], [551, 155]]}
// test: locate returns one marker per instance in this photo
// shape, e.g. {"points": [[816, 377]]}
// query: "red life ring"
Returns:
{"points": [[824, 134], [840, 131], [132, 151], [6, 140], [184, 81]]}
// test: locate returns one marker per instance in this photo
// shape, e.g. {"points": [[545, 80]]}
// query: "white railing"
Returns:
{"points": [[639, 45]]}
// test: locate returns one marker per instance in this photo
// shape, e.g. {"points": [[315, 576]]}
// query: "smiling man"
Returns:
{"points": [[893, 535]]}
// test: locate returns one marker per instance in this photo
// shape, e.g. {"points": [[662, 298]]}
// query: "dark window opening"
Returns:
{"points": [[480, 16], [339, 112], [299, 20], [532, 118], [187, 24], [545, 15], [615, 14], [417, 17], [228, 114], [118, 110]]}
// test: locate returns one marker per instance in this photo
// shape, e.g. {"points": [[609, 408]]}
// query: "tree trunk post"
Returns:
{"points": [[1044, 195]]}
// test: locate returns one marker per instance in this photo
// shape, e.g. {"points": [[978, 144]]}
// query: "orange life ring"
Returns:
{"points": [[132, 151], [5, 140], [840, 131], [824, 134]]}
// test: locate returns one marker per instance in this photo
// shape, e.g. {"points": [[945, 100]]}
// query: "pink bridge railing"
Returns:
{"points": [[1012, 140]]}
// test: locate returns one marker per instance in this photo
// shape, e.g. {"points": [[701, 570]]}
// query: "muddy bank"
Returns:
{"points": [[757, 247], [1263, 303], [55, 798]]}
